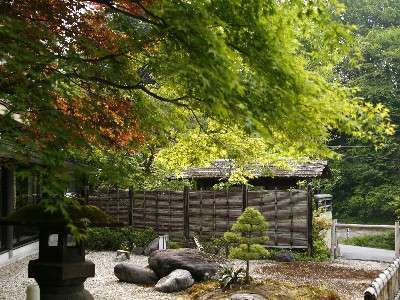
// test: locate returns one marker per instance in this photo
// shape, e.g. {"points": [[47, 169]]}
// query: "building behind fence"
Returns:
{"points": [[209, 213]]}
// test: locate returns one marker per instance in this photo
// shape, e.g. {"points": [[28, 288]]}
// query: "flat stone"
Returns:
{"points": [[197, 263], [177, 280], [134, 274], [138, 250], [284, 256], [124, 252], [244, 296]]}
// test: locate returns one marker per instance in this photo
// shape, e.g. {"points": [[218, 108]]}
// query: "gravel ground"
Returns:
{"points": [[347, 278]]}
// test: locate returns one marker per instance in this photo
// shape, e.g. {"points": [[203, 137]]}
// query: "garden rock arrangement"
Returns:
{"points": [[174, 269], [177, 280], [153, 246], [134, 274], [199, 265]]}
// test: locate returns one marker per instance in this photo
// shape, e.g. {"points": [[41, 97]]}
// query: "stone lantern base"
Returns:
{"points": [[61, 281]]}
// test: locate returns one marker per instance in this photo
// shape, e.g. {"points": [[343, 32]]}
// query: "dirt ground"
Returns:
{"points": [[342, 279], [348, 279]]}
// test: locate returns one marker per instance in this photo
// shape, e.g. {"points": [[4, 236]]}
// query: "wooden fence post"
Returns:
{"points": [[186, 214], [333, 239], [245, 201], [130, 213], [310, 218], [396, 240], [156, 215]]}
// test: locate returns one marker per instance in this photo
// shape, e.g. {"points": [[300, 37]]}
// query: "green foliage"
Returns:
{"points": [[175, 245], [366, 185], [321, 225], [114, 84], [382, 241], [249, 231], [72, 214], [229, 277], [103, 238]]}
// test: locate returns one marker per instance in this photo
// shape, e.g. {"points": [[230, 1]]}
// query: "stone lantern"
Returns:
{"points": [[61, 268]]}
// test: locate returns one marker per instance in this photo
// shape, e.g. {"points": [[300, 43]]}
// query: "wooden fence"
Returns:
{"points": [[209, 213]]}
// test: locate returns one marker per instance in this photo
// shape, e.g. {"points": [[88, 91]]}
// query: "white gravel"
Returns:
{"points": [[104, 286]]}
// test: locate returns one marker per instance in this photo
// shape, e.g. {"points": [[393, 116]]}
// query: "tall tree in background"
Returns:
{"points": [[366, 187]]}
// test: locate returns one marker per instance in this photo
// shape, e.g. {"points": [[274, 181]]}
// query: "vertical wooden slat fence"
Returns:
{"points": [[210, 213]]}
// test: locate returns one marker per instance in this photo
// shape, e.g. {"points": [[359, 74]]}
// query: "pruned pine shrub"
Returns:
{"points": [[249, 232]]}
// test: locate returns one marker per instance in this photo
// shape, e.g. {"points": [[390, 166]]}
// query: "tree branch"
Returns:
{"points": [[158, 97], [110, 5]]}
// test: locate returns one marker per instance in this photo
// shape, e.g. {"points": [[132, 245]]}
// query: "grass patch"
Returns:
{"points": [[270, 289], [382, 241]]}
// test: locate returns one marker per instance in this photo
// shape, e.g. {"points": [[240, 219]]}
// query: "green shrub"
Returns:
{"points": [[249, 232], [382, 241], [103, 238], [175, 245], [321, 224]]}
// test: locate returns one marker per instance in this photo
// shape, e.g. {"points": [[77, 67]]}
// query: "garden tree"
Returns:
{"points": [[110, 76], [249, 231], [200, 145], [366, 181]]}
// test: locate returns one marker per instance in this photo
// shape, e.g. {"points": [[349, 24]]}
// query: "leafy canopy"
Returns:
{"points": [[109, 74], [365, 185]]}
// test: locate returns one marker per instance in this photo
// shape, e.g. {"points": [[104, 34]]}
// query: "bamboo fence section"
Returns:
{"points": [[209, 213], [386, 285]]}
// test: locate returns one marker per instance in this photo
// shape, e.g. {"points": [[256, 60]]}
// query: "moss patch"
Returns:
{"points": [[270, 289]]}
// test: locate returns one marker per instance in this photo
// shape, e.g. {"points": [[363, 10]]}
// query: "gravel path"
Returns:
{"points": [[347, 278]]}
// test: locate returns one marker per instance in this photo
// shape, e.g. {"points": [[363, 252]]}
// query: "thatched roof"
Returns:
{"points": [[224, 167]]}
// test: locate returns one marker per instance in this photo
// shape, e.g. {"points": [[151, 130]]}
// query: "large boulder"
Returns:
{"points": [[177, 280], [134, 274], [153, 246], [200, 266]]}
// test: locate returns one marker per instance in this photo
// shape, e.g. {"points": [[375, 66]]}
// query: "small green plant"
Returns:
{"points": [[249, 232], [321, 224], [228, 276], [125, 246], [175, 245]]}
